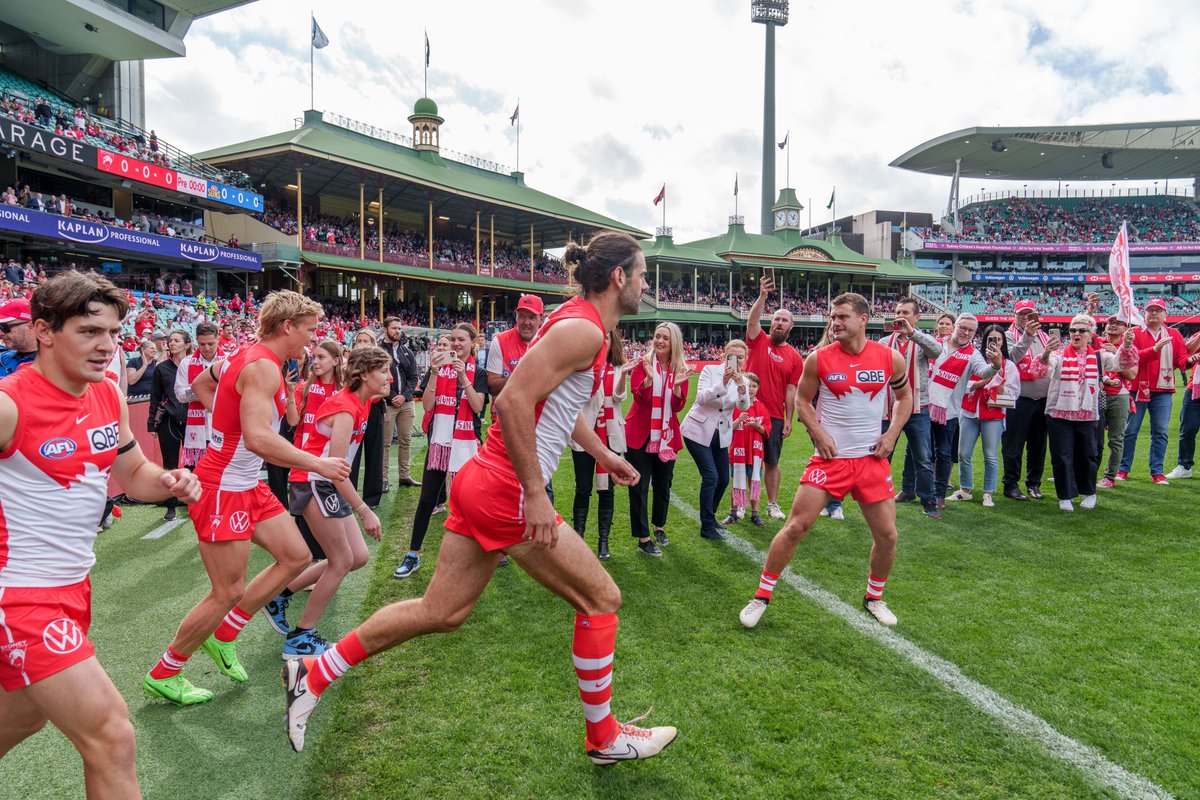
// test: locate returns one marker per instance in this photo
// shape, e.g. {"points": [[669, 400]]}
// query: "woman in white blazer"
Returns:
{"points": [[708, 430]]}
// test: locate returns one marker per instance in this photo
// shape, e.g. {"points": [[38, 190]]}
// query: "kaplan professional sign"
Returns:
{"points": [[20, 220], [30, 137], [1015, 247]]}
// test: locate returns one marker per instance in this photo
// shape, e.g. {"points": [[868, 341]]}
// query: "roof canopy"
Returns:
{"points": [[1139, 151], [336, 160]]}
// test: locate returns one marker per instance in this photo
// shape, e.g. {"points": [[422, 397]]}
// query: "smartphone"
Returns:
{"points": [[769, 274], [897, 325], [731, 362]]}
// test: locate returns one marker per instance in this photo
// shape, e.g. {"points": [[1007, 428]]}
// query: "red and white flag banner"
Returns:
{"points": [[1118, 274]]}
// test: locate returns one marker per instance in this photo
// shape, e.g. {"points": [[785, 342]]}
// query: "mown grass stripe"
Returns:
{"points": [[165, 528], [1020, 720]]}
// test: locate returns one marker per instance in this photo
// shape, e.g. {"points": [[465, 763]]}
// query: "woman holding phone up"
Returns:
{"points": [[708, 430]]}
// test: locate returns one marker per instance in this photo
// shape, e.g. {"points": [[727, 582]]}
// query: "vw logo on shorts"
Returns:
{"points": [[239, 522], [816, 476], [332, 502], [62, 636]]}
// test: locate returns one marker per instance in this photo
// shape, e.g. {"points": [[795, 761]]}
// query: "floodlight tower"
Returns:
{"points": [[771, 13]]}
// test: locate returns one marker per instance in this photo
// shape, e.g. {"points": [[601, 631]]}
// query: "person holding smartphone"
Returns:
{"points": [[708, 430], [778, 366], [919, 350], [1025, 423]]}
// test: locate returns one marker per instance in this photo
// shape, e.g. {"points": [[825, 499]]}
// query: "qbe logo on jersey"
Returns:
{"points": [[869, 376], [102, 439], [62, 636]]}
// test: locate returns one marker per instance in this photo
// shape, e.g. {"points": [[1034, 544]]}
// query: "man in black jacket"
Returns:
{"points": [[398, 413]]}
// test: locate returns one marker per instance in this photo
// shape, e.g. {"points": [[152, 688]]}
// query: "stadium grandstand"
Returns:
{"points": [[1051, 245]]}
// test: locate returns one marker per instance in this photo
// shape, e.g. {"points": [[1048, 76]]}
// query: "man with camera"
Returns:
{"points": [[918, 349]]}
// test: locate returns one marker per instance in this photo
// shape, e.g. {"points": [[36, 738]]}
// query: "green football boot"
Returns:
{"points": [[225, 654], [178, 689]]}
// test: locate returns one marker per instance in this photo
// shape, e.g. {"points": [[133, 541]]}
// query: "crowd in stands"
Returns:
{"points": [[1086, 221], [341, 235], [1060, 300]]}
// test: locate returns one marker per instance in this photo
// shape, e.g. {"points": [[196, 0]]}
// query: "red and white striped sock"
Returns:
{"points": [[592, 650], [232, 625], [875, 587], [766, 586], [170, 665], [333, 663]]}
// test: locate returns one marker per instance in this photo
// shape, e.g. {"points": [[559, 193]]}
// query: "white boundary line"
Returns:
{"points": [[1017, 719], [165, 528]]}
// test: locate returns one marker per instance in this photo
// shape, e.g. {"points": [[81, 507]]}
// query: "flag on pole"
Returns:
{"points": [[319, 39], [662, 195], [831, 196], [516, 115], [427, 49], [735, 179], [1118, 275], [783, 144]]}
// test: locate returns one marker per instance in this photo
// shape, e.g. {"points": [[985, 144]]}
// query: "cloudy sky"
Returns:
{"points": [[618, 96]]}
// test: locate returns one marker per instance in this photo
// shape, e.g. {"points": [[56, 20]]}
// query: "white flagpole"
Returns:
{"points": [[312, 19]]}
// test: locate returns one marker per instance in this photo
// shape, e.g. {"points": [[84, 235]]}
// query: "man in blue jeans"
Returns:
{"points": [[1189, 417], [1161, 351], [918, 349]]}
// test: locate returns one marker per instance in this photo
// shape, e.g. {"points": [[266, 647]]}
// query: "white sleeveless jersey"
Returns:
{"points": [[852, 397]]}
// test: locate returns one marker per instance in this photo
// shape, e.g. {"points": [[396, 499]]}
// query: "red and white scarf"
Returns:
{"points": [[1196, 382], [196, 430], [1078, 385], [452, 439], [907, 351], [947, 372], [977, 402], [661, 413], [1024, 366], [746, 449], [1166, 362], [605, 421]]}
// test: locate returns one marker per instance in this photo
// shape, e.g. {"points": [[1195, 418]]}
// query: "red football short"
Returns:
{"points": [[43, 631], [487, 505], [867, 479], [225, 516]]}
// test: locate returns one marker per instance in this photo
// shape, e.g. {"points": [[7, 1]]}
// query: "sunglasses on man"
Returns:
{"points": [[6, 327]]}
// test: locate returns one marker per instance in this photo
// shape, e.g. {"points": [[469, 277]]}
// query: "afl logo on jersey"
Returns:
{"points": [[835, 377], [57, 448]]}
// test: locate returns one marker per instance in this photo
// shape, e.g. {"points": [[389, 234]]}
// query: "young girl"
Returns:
{"points": [[453, 407], [336, 431], [746, 457]]}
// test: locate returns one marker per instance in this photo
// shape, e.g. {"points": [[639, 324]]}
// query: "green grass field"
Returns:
{"points": [[1088, 621]]}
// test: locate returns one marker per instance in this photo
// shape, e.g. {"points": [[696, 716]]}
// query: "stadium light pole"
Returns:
{"points": [[770, 13]]}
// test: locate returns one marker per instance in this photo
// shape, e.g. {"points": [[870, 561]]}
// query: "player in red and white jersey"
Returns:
{"points": [[64, 429], [324, 379], [328, 508], [247, 397], [500, 504], [851, 376]]}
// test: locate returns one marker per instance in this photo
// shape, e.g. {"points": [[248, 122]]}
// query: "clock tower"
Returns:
{"points": [[786, 211]]}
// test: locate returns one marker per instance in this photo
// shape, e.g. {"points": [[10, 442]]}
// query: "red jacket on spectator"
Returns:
{"points": [[637, 421], [1148, 359]]}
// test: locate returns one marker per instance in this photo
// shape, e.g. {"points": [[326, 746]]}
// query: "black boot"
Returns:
{"points": [[605, 523], [579, 513]]}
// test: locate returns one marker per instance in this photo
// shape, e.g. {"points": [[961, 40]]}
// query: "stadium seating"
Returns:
{"points": [[1076, 220]]}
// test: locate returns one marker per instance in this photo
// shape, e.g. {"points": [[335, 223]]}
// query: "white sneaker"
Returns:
{"points": [[961, 494], [753, 612], [824, 512], [1088, 502], [987, 500], [838, 515], [1065, 505], [634, 743], [774, 512], [1178, 473], [879, 610], [300, 702]]}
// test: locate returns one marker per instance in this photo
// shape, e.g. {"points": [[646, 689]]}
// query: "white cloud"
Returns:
{"points": [[673, 90]]}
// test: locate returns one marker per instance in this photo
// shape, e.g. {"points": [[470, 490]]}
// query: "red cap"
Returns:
{"points": [[16, 311], [531, 303], [1024, 305], [1157, 301]]}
